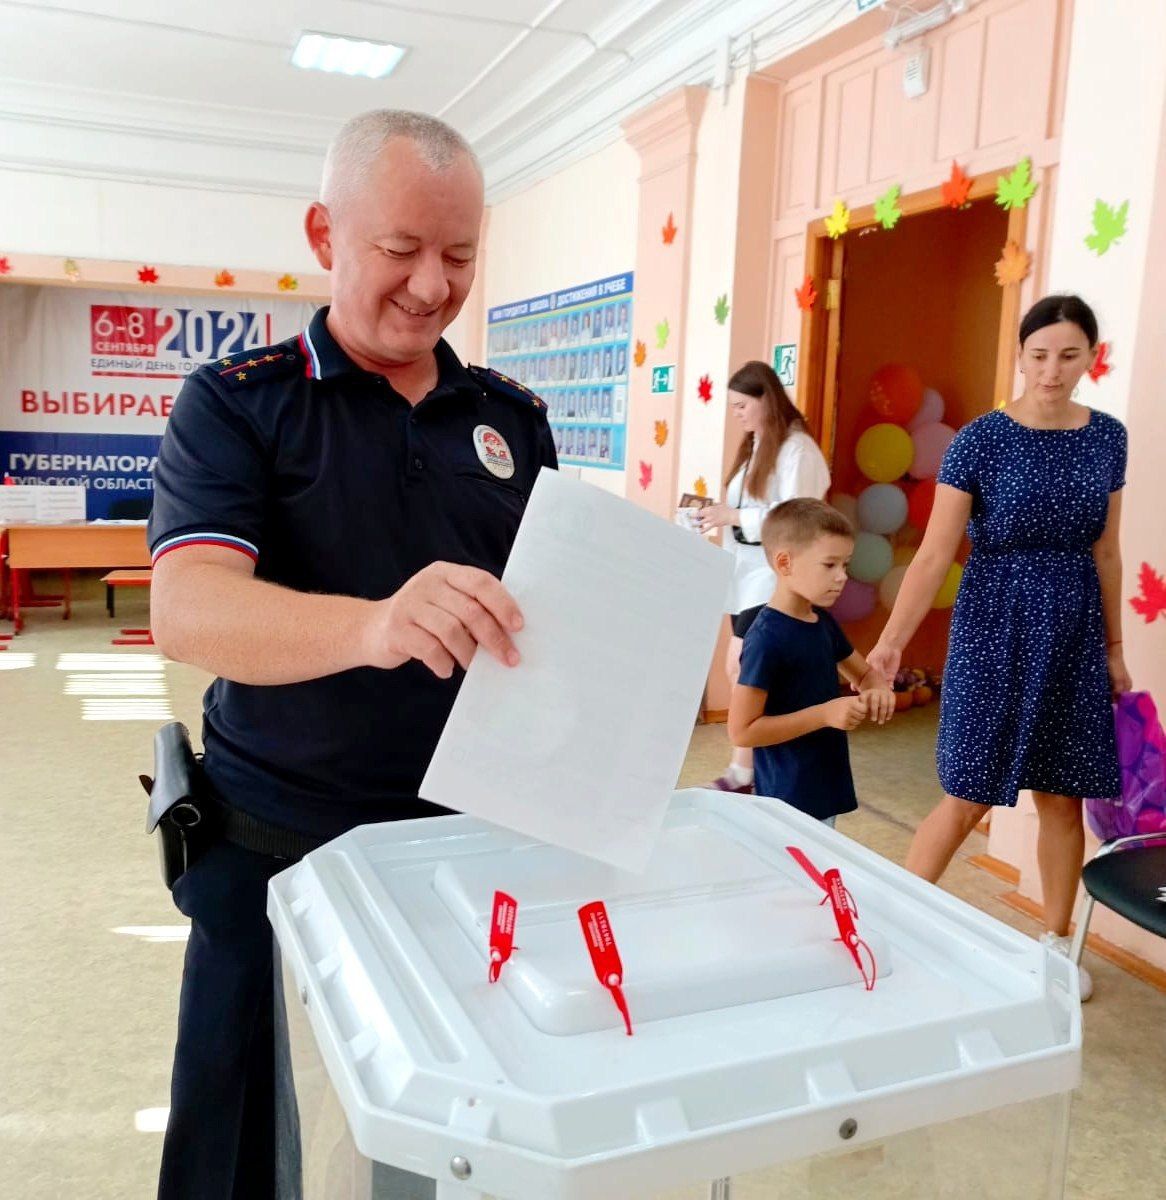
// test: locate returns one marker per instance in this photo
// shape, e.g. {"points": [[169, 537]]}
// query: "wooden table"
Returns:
{"points": [[25, 548]]}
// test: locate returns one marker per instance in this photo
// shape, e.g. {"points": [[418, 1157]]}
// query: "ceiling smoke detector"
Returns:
{"points": [[909, 23]]}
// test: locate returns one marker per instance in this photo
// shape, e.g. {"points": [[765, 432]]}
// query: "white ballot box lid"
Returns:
{"points": [[755, 1038]]}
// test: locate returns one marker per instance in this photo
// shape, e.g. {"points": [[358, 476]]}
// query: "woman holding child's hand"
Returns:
{"points": [[1035, 653]]}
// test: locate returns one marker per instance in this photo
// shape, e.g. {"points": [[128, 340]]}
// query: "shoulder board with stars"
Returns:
{"points": [[258, 366], [496, 381]]}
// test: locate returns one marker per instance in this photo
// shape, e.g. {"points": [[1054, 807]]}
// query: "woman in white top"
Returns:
{"points": [[777, 460]]}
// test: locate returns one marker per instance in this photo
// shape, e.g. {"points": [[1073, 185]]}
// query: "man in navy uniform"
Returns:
{"points": [[331, 516]]}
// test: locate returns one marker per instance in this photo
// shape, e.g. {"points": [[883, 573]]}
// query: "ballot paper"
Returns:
{"points": [[581, 744]]}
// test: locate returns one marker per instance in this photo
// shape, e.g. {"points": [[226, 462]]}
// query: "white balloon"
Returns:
{"points": [[930, 411]]}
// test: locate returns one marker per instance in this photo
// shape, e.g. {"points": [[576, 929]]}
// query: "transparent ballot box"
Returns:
{"points": [[762, 1062]]}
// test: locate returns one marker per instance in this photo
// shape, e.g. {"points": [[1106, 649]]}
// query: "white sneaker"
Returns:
{"points": [[1060, 945]]}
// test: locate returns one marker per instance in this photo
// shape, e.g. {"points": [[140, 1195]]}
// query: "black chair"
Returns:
{"points": [[1127, 875]]}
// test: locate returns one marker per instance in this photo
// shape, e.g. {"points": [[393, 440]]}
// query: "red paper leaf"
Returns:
{"points": [[645, 475], [704, 389], [1101, 364], [669, 231], [147, 275], [1151, 603], [807, 295], [955, 189], [5, 266]]}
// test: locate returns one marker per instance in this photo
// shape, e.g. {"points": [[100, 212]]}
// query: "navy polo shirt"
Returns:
{"points": [[796, 664], [332, 482]]}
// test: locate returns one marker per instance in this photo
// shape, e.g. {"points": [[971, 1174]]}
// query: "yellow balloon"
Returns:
{"points": [[946, 595], [884, 452]]}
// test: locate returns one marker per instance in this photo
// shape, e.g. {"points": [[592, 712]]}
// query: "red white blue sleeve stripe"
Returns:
{"points": [[205, 539]]}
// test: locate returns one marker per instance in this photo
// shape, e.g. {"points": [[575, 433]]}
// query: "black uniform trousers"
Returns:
{"points": [[220, 1140]]}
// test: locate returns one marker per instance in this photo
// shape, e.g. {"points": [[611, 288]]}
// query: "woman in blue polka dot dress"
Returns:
{"points": [[1035, 653]]}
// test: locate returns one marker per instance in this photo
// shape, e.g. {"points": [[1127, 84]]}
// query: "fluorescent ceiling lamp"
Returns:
{"points": [[326, 52]]}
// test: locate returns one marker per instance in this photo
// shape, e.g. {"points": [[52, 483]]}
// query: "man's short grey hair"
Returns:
{"points": [[360, 142]]}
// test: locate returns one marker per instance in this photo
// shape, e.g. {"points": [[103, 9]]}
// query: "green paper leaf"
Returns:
{"points": [[662, 331], [1016, 189], [721, 309], [887, 210], [1109, 225]]}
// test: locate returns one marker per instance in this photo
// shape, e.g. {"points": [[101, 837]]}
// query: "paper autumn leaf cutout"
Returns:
{"points": [[1109, 226], [1101, 364], [838, 222], [806, 295], [72, 271], [700, 488], [668, 233], [287, 283], [1151, 602], [704, 389], [1013, 264], [224, 279], [661, 432], [640, 354], [721, 308], [1015, 190], [886, 210], [645, 475], [147, 275], [662, 332], [5, 265], [956, 188]]}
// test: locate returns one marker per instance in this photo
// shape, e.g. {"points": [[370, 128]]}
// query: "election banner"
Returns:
{"points": [[88, 379]]}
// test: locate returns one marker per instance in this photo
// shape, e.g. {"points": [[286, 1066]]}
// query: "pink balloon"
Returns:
{"points": [[856, 602], [931, 442], [930, 411]]}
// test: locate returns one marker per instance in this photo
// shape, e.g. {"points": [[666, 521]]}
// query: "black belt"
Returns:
{"points": [[253, 834]]}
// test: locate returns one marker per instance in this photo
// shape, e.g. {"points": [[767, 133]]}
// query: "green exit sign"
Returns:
{"points": [[663, 379]]}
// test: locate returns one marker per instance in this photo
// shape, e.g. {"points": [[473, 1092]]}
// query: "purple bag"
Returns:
{"points": [[1141, 753]]}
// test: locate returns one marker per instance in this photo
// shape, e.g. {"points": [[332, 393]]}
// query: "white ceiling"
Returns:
{"points": [[203, 94]]}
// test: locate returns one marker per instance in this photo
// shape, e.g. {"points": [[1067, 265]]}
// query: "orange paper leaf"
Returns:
{"points": [[807, 295], [224, 279], [1013, 265], [700, 488], [287, 283], [955, 189], [661, 432], [669, 231], [640, 354]]}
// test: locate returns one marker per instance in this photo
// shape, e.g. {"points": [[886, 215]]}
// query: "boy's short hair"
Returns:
{"points": [[796, 523]]}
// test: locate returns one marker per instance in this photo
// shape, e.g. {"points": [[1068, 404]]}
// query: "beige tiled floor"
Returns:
{"points": [[87, 1013]]}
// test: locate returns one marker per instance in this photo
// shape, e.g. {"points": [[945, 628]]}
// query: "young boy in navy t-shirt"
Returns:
{"points": [[785, 703]]}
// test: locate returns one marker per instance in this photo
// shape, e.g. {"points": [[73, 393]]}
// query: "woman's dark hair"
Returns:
{"points": [[1053, 309], [760, 380]]}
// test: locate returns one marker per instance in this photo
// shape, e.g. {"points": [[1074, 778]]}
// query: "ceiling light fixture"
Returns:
{"points": [[346, 56], [903, 28]]}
